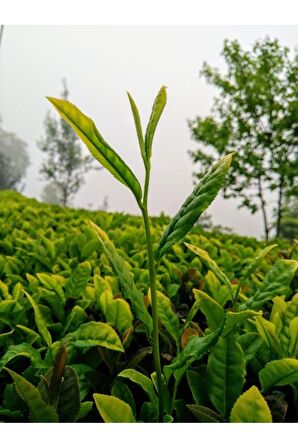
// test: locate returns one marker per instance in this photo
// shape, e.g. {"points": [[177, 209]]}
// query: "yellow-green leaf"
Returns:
{"points": [[40, 323], [95, 333], [138, 126], [125, 278], [251, 407], [39, 411], [113, 410], [118, 313], [157, 109], [99, 148]]}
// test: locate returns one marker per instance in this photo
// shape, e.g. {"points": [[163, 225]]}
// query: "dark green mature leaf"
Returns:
{"points": [[138, 126], [226, 372], [204, 414], [250, 344], [69, 397], [293, 345], [40, 323], [23, 349], [157, 109], [125, 277], [202, 196], [251, 407], [39, 410], [197, 346], [198, 384], [113, 410], [279, 373], [168, 317], [92, 334], [286, 317], [276, 283], [99, 148], [122, 391]]}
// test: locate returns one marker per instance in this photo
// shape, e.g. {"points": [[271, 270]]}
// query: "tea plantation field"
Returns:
{"points": [[75, 346]]}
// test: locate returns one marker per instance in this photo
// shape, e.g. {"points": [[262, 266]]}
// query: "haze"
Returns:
{"points": [[100, 64]]}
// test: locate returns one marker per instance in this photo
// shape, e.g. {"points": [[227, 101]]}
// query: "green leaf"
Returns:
{"points": [[85, 408], [157, 109], [287, 315], [119, 315], [138, 126], [276, 283], [256, 262], [212, 265], [250, 344], [197, 346], [92, 334], [204, 414], [32, 336], [39, 411], [235, 319], [168, 317], [40, 323], [279, 373], [251, 407], [98, 147], [113, 410], [213, 313], [202, 196], [75, 318], [143, 381], [267, 331], [23, 349], [226, 372], [78, 280], [125, 277], [293, 346]]}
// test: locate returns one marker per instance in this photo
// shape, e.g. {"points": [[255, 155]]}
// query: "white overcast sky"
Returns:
{"points": [[100, 64]]}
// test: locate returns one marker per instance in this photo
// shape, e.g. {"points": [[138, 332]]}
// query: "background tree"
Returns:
{"points": [[51, 194], [255, 115], [289, 221], [14, 161], [65, 165]]}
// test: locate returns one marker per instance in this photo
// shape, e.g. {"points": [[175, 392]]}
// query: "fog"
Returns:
{"points": [[100, 64]]}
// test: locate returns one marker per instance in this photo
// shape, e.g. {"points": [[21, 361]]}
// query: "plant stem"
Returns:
{"points": [[152, 277], [174, 396]]}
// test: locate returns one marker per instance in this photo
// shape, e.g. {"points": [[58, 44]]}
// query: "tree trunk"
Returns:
{"points": [[279, 206], [263, 208], [65, 196]]}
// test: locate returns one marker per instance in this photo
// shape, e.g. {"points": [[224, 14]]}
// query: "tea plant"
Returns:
{"points": [[184, 220], [223, 322]]}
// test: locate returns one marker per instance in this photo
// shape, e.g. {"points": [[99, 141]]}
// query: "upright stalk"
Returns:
{"points": [[152, 279]]}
